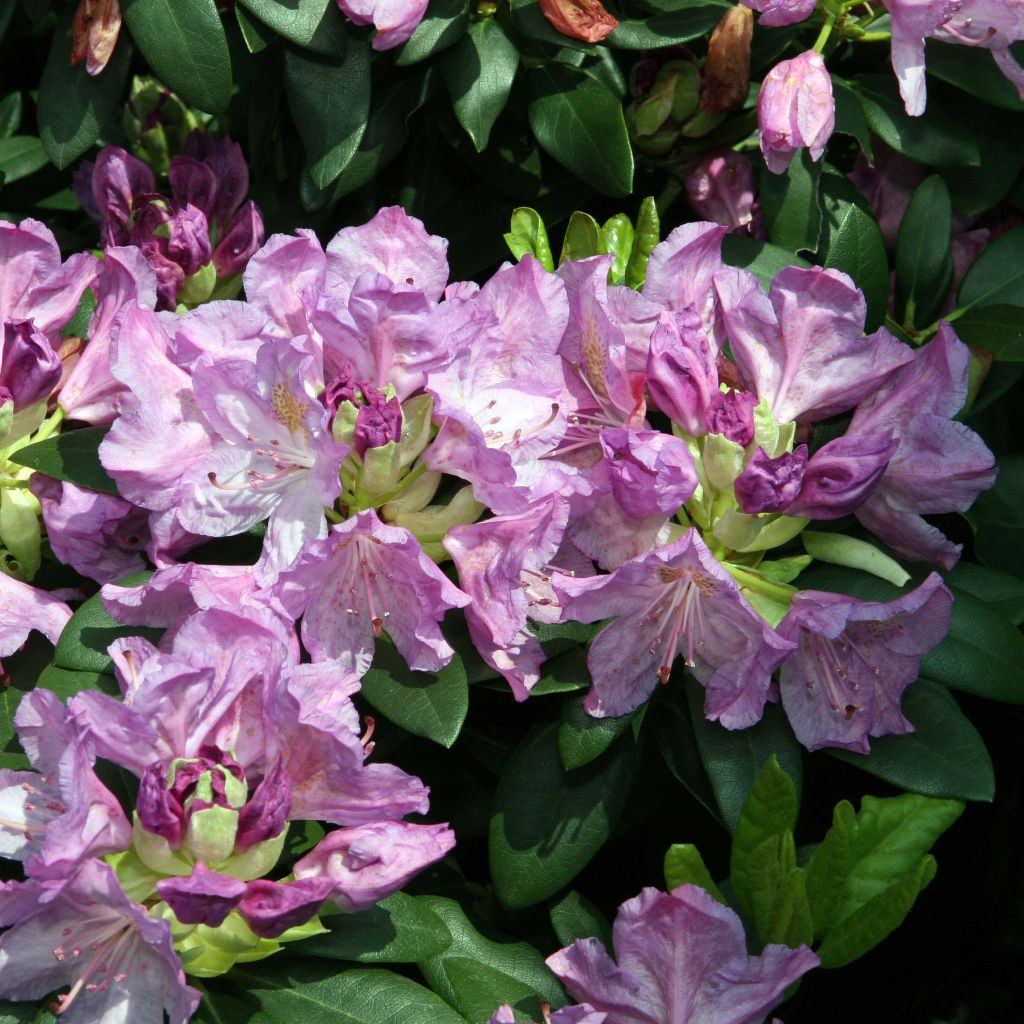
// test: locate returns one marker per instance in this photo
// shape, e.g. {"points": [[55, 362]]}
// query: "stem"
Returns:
{"points": [[52, 425], [826, 31], [875, 37], [332, 516]]}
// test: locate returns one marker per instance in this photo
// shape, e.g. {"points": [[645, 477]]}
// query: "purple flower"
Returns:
{"points": [[682, 376], [675, 599], [119, 185], [24, 608], [940, 465], [801, 347], [204, 897], [842, 474], [85, 933], [795, 109], [271, 908], [650, 472], [378, 422], [913, 21], [566, 1015], [503, 567], [994, 24], [29, 367], [781, 12], [854, 660], [368, 862], [731, 413], [364, 578], [771, 485], [680, 957], [394, 20], [720, 187]]}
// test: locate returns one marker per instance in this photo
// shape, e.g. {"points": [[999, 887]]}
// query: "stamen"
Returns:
{"points": [[967, 40]]}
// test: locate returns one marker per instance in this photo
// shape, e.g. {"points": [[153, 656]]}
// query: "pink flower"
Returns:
{"points": [[795, 109]]}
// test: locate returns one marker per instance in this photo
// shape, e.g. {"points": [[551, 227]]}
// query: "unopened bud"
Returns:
{"points": [[727, 69]]}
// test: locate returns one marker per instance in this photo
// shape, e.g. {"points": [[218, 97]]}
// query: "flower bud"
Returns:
{"points": [[720, 188], [842, 474], [157, 123], [731, 413], [650, 472], [795, 109], [379, 421], [781, 12], [681, 374], [580, 19], [29, 367], [771, 485], [204, 897], [727, 68]]}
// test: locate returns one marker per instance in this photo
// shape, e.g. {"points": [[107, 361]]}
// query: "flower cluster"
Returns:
{"points": [[579, 451]]}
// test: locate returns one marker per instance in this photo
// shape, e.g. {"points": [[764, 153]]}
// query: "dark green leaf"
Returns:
{"points": [[579, 121], [480, 990], [330, 102], [444, 25], [70, 456], [548, 823], [924, 262], [429, 705], [999, 536], [685, 866], [789, 201], [1000, 329], [185, 44], [564, 674], [850, 115], [852, 242], [582, 737], [289, 990], [673, 731], [575, 917], [66, 683], [316, 25], [479, 71], [74, 106], [943, 757], [997, 276], [973, 70], [20, 156], [10, 114], [761, 258], [1003, 592], [938, 139], [734, 759], [517, 960], [257, 36], [666, 29], [399, 930]]}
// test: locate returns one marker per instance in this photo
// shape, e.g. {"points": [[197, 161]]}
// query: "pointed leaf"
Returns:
{"points": [[316, 25], [924, 261], [685, 866], [575, 917], [71, 456]]}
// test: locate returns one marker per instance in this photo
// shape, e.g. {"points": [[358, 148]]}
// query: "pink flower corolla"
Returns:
{"points": [[680, 957], [771, 484], [650, 472], [720, 187], [682, 375], [802, 347], [993, 24], [940, 465], [24, 608], [781, 12], [795, 109], [60, 814], [676, 599], [565, 1015], [854, 660], [365, 578], [502, 400], [503, 567], [29, 367], [84, 932], [34, 284], [394, 20]]}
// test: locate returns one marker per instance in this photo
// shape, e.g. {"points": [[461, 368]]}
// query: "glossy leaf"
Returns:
{"points": [[1005, 593], [579, 121], [666, 28], [547, 823], [973, 70], [185, 44], [66, 683], [528, 234], [316, 25], [685, 866], [924, 262], [790, 204], [582, 737], [673, 731], [762, 259], [999, 329], [71, 456], [645, 237], [850, 118], [997, 276], [20, 156], [582, 238], [480, 989], [444, 24], [575, 917]]}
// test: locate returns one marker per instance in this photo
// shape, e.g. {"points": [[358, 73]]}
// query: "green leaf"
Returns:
{"points": [[528, 234], [528, 20], [480, 990], [78, 325], [425, 704], [185, 44], [645, 238], [330, 102], [288, 990], [863, 854], [734, 760], [582, 737], [517, 960], [444, 25], [20, 156], [579, 121], [999, 328], [997, 276], [82, 646], [789, 201], [943, 757], [10, 114], [67, 683], [575, 917], [256, 35], [667, 28], [973, 70], [582, 238], [852, 242], [71, 456], [617, 239], [1005, 593], [564, 674], [850, 115], [74, 106], [874, 921], [673, 731], [547, 823], [762, 259], [999, 528], [399, 930], [839, 549], [939, 139], [685, 866], [924, 261], [316, 25], [479, 70]]}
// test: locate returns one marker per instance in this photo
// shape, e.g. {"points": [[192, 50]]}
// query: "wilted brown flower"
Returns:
{"points": [[727, 69], [95, 30], [581, 19]]}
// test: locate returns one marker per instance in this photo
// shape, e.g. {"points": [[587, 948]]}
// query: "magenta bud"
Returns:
{"points": [[29, 367], [225, 159], [189, 241], [721, 189], [681, 373], [244, 235], [193, 183], [204, 897], [265, 816], [771, 485], [119, 182], [270, 908], [159, 811], [732, 414], [379, 420], [650, 472], [795, 109]]}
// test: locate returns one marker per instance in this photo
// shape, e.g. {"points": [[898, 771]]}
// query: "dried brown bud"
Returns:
{"points": [[95, 30], [581, 19], [727, 69]]}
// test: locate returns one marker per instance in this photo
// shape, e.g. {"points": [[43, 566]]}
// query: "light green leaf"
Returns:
{"points": [[685, 866], [838, 549]]}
